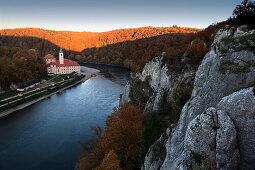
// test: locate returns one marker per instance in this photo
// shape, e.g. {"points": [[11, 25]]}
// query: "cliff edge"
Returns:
{"points": [[216, 125]]}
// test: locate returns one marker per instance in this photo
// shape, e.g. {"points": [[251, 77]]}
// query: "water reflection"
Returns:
{"points": [[46, 135]]}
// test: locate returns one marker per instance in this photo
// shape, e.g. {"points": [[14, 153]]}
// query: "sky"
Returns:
{"points": [[105, 15]]}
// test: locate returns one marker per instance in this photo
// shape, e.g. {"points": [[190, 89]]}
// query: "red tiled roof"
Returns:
{"points": [[49, 56], [66, 63]]}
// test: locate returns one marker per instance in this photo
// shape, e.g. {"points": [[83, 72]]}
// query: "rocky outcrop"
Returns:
{"points": [[156, 84], [211, 134], [125, 96], [216, 122], [157, 152], [240, 107]]}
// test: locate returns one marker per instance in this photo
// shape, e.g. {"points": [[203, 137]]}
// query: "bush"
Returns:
{"points": [[244, 14], [197, 50], [181, 96], [153, 128], [110, 162]]}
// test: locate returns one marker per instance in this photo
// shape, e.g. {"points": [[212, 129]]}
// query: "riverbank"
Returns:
{"points": [[46, 135], [84, 70]]}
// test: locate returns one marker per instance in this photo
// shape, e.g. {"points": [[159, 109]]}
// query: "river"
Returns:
{"points": [[46, 135]]}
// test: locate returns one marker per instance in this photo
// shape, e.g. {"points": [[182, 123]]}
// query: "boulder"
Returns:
{"points": [[240, 107]]}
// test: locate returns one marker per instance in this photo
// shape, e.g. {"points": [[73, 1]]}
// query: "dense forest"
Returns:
{"points": [[134, 54], [78, 41], [130, 48], [21, 59], [18, 65]]}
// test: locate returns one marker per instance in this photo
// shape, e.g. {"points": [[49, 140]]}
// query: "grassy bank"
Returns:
{"points": [[38, 93]]}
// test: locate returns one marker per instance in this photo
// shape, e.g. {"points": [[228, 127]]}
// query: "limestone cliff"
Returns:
{"points": [[156, 84], [218, 122]]}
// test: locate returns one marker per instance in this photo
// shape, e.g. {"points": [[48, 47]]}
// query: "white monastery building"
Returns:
{"points": [[61, 66]]}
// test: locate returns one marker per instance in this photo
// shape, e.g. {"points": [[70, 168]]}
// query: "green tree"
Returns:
{"points": [[153, 128], [244, 14], [181, 96]]}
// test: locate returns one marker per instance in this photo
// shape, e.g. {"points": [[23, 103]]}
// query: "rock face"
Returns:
{"points": [[157, 152], [155, 84], [240, 107], [211, 134], [125, 96], [216, 122]]}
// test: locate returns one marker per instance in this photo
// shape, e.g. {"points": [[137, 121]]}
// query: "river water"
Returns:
{"points": [[46, 135]]}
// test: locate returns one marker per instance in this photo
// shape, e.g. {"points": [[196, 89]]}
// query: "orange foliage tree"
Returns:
{"points": [[123, 133], [18, 65], [92, 151], [197, 49], [122, 137], [110, 162]]}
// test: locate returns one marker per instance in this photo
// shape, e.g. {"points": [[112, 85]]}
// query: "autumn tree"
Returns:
{"points": [[120, 145], [123, 132], [92, 150], [110, 162], [18, 65], [197, 49]]}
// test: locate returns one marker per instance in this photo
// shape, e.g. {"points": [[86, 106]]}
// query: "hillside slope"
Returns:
{"points": [[133, 53], [78, 41]]}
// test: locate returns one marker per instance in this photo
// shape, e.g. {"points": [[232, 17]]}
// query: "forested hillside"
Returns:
{"points": [[134, 54], [78, 41], [130, 48], [18, 65]]}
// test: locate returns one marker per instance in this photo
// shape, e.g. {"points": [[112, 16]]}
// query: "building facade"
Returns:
{"points": [[61, 66]]}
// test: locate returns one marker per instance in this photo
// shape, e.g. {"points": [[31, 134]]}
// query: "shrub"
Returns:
{"points": [[197, 50], [181, 96], [153, 128], [244, 14], [110, 162]]}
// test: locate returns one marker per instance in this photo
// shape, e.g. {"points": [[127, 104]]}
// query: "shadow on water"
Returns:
{"points": [[113, 73]]}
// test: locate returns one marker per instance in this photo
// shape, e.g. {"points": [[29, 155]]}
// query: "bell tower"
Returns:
{"points": [[61, 56]]}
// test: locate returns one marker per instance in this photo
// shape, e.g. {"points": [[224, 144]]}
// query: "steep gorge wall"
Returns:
{"points": [[218, 121], [156, 84]]}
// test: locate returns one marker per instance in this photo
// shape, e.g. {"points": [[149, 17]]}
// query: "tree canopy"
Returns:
{"points": [[121, 139]]}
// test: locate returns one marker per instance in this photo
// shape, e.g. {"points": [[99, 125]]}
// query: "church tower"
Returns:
{"points": [[61, 56]]}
